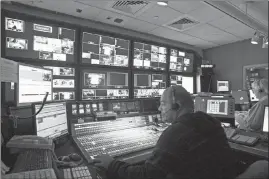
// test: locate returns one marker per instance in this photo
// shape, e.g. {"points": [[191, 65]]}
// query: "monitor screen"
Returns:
{"points": [[216, 106], [265, 120], [51, 122], [179, 62], [104, 50], [149, 56], [34, 82], [223, 86], [63, 86], [185, 81], [31, 40], [240, 97], [149, 85], [252, 96], [104, 85]]}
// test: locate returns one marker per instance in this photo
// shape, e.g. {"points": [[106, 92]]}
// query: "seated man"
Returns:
{"points": [[194, 146], [253, 120]]}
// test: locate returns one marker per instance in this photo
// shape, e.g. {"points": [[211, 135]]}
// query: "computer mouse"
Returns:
{"points": [[75, 157]]}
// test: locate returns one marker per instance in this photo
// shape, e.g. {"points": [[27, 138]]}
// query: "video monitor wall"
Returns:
{"points": [[104, 50], [97, 84], [148, 85], [38, 41], [63, 85], [149, 56], [179, 62]]}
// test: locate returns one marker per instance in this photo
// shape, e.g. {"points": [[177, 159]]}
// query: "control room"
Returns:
{"points": [[106, 89]]}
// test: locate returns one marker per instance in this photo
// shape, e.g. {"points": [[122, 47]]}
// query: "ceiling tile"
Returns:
{"points": [[171, 34], [184, 6], [138, 25], [200, 43], [240, 30], [203, 30], [223, 22], [159, 15], [94, 3], [206, 14]]}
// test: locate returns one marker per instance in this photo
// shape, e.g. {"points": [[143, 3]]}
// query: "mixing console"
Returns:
{"points": [[121, 142]]}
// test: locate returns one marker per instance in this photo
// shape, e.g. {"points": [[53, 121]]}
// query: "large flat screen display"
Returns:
{"points": [[180, 62], [149, 56], [33, 40], [34, 82], [184, 81], [63, 86], [104, 50], [101, 84], [147, 85]]}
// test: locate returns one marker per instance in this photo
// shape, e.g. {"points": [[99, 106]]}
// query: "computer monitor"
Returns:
{"points": [[217, 106], [33, 84], [223, 86], [252, 96], [103, 84], [265, 120], [147, 85], [240, 97], [51, 122]]}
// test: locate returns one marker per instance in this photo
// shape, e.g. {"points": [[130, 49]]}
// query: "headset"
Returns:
{"points": [[175, 106]]}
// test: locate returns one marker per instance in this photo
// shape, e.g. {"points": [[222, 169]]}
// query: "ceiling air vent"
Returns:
{"points": [[129, 7], [182, 23]]}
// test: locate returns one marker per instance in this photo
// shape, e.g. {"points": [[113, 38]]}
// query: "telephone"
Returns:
{"points": [[30, 142]]}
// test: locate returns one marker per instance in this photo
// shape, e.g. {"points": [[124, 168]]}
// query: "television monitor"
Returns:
{"points": [[149, 56], [103, 50], [38, 41], [51, 122], [252, 96], [180, 62], [103, 84], [265, 120], [184, 81], [217, 106], [63, 86], [148, 85], [223, 86], [33, 84]]}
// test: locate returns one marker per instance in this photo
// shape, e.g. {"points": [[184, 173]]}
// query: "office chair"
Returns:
{"points": [[257, 170]]}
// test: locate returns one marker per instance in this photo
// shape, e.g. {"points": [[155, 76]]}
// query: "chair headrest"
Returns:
{"points": [[257, 170]]}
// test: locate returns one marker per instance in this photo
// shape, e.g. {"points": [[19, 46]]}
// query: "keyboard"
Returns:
{"points": [[33, 159], [244, 140], [77, 173], [36, 174]]}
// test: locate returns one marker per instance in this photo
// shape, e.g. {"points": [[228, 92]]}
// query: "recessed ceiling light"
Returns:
{"points": [[156, 17], [162, 3]]}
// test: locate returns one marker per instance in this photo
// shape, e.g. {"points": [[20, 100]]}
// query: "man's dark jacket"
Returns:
{"points": [[194, 146]]}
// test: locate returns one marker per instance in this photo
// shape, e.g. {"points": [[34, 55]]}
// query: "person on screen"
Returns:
{"points": [[253, 120], [194, 146]]}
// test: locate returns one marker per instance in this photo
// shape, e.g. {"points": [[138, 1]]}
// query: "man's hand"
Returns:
{"points": [[103, 161]]}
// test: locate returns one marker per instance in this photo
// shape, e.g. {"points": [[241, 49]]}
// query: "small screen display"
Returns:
{"points": [[223, 86], [104, 50], [217, 107], [149, 56]]}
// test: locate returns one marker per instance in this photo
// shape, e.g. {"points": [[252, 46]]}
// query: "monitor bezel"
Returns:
{"points": [[34, 117]]}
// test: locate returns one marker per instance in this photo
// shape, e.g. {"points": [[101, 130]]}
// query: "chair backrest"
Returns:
{"points": [[257, 170]]}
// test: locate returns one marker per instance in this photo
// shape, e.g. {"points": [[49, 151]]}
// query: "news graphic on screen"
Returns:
{"points": [[149, 56], [34, 82], [223, 86], [104, 85], [51, 122], [63, 86], [149, 85], [179, 62], [104, 50], [31, 40], [184, 81], [217, 107]]}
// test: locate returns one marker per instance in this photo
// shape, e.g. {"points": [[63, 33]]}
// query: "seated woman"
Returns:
{"points": [[254, 119]]}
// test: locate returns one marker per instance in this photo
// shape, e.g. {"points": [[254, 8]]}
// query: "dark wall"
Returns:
{"points": [[230, 59]]}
